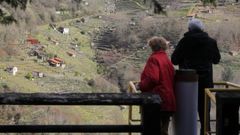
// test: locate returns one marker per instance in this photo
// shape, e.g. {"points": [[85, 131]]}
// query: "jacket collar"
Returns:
{"points": [[159, 52]]}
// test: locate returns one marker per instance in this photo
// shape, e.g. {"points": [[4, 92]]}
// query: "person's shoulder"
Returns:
{"points": [[154, 57], [212, 40], [187, 36]]}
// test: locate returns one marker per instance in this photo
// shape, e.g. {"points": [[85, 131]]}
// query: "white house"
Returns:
{"points": [[58, 12], [65, 31], [12, 70]]}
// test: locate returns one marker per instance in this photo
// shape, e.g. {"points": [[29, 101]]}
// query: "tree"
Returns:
{"points": [[209, 1], [7, 19], [227, 73], [158, 6], [16, 3]]}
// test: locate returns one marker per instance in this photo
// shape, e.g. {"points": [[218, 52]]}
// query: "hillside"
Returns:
{"points": [[81, 74], [102, 47]]}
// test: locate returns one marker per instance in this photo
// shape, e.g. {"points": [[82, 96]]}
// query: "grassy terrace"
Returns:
{"points": [[82, 66], [73, 78]]}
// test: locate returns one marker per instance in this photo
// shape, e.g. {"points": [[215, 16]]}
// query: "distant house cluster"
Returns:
{"points": [[39, 51]]}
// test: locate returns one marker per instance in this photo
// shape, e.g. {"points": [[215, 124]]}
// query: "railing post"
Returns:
{"points": [[187, 102], [206, 114], [227, 113], [151, 118]]}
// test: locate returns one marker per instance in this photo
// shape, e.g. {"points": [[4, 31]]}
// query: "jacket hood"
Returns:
{"points": [[196, 34]]}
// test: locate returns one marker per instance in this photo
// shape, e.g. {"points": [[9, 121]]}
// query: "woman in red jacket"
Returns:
{"points": [[158, 77]]}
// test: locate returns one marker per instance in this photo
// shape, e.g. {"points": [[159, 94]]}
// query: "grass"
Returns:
{"points": [[179, 13], [83, 63]]}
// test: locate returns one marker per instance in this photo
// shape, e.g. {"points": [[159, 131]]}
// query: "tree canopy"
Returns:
{"points": [[16, 3], [209, 1], [7, 19], [158, 7]]}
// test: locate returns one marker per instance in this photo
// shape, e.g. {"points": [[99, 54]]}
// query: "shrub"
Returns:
{"points": [[4, 86], [227, 74], [29, 76], [102, 85], [91, 82], [50, 55], [76, 73]]}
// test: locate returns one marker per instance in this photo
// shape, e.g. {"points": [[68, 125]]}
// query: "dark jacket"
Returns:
{"points": [[196, 50], [158, 77]]}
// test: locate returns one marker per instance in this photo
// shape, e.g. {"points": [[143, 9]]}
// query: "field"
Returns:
{"points": [[74, 77], [110, 49]]}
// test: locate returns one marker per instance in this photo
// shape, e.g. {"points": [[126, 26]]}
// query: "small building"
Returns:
{"points": [[37, 53], [132, 23], [63, 66], [64, 30], [33, 41], [40, 52], [38, 74], [55, 62], [233, 53], [13, 70], [42, 58], [71, 54], [58, 12]]}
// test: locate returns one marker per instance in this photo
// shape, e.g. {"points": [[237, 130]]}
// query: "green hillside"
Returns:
{"points": [[104, 49]]}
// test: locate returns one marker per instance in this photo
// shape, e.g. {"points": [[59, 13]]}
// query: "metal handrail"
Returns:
{"points": [[209, 96]]}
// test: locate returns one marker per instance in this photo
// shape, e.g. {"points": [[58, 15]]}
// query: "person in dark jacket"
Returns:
{"points": [[196, 50], [158, 77]]}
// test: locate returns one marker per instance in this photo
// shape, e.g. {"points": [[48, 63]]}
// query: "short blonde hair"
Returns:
{"points": [[158, 43]]}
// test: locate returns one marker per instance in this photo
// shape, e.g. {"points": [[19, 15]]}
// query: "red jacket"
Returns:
{"points": [[158, 77]]}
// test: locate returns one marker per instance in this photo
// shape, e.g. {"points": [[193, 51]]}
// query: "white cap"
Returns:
{"points": [[195, 24]]}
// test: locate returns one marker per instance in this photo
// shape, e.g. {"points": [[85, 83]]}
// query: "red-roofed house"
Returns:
{"points": [[32, 40], [56, 62]]}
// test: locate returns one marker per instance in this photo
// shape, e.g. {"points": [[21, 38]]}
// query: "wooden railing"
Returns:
{"points": [[210, 97], [80, 99], [131, 119]]}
